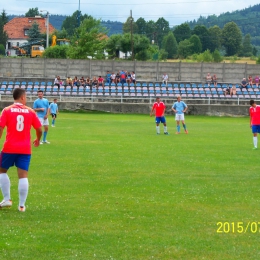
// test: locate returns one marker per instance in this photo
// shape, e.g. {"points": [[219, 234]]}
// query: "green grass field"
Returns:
{"points": [[107, 187]]}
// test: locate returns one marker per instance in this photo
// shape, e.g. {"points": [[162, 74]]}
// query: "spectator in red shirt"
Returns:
{"points": [[100, 82]]}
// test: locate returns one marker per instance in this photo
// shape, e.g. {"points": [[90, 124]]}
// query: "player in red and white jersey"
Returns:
{"points": [[18, 119], [159, 109], [254, 112]]}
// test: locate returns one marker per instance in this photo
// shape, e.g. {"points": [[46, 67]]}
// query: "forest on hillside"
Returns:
{"points": [[248, 20], [56, 20]]}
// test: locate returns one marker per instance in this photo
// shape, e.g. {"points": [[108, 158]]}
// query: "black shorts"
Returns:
{"points": [[53, 115]]}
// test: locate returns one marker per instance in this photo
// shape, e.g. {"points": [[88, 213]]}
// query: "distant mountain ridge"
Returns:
{"points": [[248, 20], [56, 20]]}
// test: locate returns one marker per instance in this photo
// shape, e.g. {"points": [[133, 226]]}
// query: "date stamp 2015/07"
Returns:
{"points": [[238, 227]]}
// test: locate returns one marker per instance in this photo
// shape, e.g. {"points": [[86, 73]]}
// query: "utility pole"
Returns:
{"points": [[132, 42], [47, 34], [79, 15], [47, 27]]}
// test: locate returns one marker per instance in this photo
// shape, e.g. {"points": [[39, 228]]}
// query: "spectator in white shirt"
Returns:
{"points": [[165, 78]]}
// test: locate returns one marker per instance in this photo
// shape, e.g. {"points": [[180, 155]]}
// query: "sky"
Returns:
{"points": [[173, 11]]}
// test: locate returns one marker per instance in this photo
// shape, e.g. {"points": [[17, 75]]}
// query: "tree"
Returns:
{"points": [[182, 32], [162, 29], [141, 26], [89, 41], [113, 45], [141, 45], [71, 23], [203, 33], [231, 38], [185, 48], [34, 33], [32, 12], [214, 38], [4, 17], [217, 56], [2, 49], [151, 31], [125, 43], [170, 45], [127, 27], [196, 44], [3, 34], [56, 52], [247, 49]]}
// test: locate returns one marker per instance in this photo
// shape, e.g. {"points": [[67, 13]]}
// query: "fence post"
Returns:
{"points": [[22, 67], [223, 72], [157, 71], [90, 76], [179, 75]]}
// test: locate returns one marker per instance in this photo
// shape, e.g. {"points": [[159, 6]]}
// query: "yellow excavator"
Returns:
{"points": [[59, 42]]}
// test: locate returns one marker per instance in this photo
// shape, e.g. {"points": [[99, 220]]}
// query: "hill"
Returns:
{"points": [[56, 20], [248, 20]]}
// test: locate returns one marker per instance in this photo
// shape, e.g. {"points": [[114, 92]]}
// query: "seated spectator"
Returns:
{"points": [[128, 78], [58, 82], [208, 79], [133, 77], [108, 77], [113, 77], [165, 78], [82, 81], [233, 90], [257, 81], [100, 82], [214, 80], [76, 81], [94, 82], [250, 81], [243, 84], [88, 82], [118, 77], [69, 81], [122, 77], [227, 91]]}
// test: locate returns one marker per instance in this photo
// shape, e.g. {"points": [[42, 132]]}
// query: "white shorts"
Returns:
{"points": [[179, 117], [44, 121]]}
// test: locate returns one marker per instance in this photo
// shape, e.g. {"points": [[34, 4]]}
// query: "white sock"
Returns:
{"points": [[23, 187], [5, 186], [158, 129], [255, 141], [165, 129]]}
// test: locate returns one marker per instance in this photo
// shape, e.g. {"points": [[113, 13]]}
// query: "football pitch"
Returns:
{"points": [[108, 187]]}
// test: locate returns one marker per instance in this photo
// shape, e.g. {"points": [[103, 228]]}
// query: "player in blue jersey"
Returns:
{"points": [[179, 108], [41, 107], [54, 111]]}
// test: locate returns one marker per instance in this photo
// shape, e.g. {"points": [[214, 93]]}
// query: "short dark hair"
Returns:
{"points": [[39, 91], [251, 102], [18, 92]]}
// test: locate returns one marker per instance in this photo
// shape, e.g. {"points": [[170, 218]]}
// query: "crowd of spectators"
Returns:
{"points": [[123, 77]]}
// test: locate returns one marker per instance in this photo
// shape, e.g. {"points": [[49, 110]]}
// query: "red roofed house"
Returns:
{"points": [[17, 30]]}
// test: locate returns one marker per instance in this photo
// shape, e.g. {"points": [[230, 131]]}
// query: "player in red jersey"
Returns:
{"points": [[254, 112], [159, 109], [18, 119]]}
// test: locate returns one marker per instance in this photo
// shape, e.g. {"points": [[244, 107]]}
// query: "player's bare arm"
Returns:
{"points": [[36, 142], [152, 112], [1, 131], [39, 109]]}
